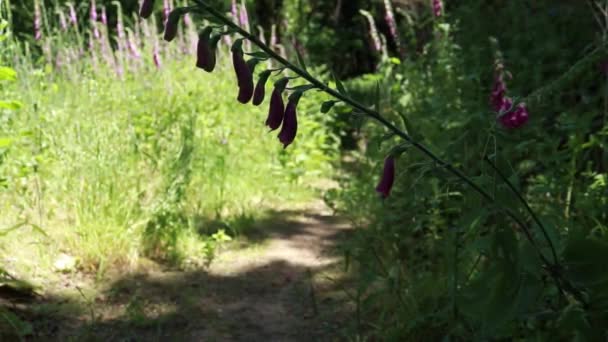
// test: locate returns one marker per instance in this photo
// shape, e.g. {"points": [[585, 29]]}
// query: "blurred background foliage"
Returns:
{"points": [[433, 260]]}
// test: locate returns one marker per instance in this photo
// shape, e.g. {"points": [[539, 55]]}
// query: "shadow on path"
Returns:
{"points": [[277, 293]]}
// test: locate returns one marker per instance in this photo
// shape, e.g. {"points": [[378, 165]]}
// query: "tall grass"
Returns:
{"points": [[124, 148]]}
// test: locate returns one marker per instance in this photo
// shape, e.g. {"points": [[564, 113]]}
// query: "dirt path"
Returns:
{"points": [[271, 289]]}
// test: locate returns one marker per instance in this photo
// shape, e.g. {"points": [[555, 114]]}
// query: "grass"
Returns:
{"points": [[148, 161]]}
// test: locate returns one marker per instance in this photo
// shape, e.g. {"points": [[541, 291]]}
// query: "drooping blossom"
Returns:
{"points": [[171, 26], [37, 22], [515, 118], [146, 9], [244, 73], [508, 116], [388, 177], [437, 8], [205, 51], [276, 110], [499, 90], [290, 124], [260, 89]]}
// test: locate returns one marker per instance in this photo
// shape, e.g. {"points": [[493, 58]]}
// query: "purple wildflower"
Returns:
{"points": [[93, 11], [166, 11], [62, 22], [171, 26], [205, 51], [37, 21], [133, 46], [73, 17], [104, 16], [388, 177], [156, 57], [234, 11], [373, 31], [146, 9], [290, 124], [244, 73], [260, 88], [389, 17], [516, 118], [276, 110], [437, 8]]}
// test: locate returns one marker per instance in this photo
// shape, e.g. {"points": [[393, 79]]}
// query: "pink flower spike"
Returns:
{"points": [[388, 177], [73, 17], [437, 8], [93, 11]]}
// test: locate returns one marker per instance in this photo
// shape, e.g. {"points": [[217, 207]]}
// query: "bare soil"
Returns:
{"points": [[282, 283]]}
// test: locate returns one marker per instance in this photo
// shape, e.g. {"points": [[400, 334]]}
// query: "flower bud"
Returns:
{"points": [[172, 25], [205, 52], [388, 177], [276, 110], [260, 88], [516, 118], [146, 9], [290, 124], [244, 73]]}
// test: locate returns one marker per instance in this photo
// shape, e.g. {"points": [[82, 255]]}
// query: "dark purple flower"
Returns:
{"points": [[147, 6], [260, 89], [290, 124], [172, 25], [205, 52], [437, 8], [244, 75], [516, 118], [499, 89], [276, 110], [388, 177]]}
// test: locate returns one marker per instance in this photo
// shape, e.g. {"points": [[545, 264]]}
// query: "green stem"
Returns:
{"points": [[527, 206]]}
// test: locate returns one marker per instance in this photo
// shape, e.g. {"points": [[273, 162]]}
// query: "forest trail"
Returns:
{"points": [[282, 284]]}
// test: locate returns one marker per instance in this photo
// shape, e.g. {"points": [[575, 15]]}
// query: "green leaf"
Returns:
{"points": [[327, 106], [7, 73], [5, 142], [585, 262], [258, 54], [340, 86], [10, 105]]}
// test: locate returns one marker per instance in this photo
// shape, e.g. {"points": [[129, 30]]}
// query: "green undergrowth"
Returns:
{"points": [[159, 162]]}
